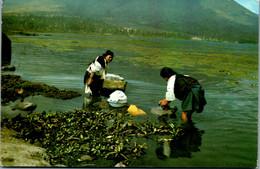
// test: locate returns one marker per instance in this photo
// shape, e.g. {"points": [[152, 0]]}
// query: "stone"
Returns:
{"points": [[8, 68], [120, 165], [160, 112], [110, 86], [26, 106], [166, 149], [101, 104], [86, 158]]}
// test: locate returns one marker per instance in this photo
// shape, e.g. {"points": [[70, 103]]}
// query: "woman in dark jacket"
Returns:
{"points": [[96, 73], [186, 89]]}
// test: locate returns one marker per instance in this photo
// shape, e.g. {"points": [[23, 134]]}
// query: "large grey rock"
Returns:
{"points": [[109, 86]]}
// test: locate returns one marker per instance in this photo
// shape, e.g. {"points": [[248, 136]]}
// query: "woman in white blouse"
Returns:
{"points": [[186, 89], [96, 72]]}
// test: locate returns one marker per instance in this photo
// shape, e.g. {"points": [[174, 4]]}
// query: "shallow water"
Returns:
{"points": [[225, 133]]}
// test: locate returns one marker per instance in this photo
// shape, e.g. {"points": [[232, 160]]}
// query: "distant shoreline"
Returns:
{"points": [[22, 24]]}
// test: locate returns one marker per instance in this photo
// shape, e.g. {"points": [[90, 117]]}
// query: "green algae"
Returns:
{"points": [[229, 60]]}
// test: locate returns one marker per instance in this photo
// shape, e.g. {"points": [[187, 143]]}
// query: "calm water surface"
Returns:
{"points": [[224, 134]]}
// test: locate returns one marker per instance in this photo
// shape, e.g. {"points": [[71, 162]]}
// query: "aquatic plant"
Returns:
{"points": [[70, 136], [213, 60], [13, 87]]}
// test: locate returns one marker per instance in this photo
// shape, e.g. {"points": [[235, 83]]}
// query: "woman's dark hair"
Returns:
{"points": [[108, 52], [167, 72]]}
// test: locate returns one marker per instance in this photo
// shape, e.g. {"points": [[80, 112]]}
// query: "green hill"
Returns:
{"points": [[208, 19]]}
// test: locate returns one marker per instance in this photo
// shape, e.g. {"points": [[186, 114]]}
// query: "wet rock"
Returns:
{"points": [[86, 158], [102, 105], [60, 165], [87, 100], [120, 165], [8, 68], [166, 149], [26, 106], [160, 112], [110, 86]]}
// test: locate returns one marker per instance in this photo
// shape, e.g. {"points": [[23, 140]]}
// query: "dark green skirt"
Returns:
{"points": [[195, 100], [96, 85]]}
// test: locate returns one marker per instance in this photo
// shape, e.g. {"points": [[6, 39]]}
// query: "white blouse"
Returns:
{"points": [[170, 96], [98, 69]]}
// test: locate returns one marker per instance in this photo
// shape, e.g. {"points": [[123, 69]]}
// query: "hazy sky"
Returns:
{"points": [[252, 5]]}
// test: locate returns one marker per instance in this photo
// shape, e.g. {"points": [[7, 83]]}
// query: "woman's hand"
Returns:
{"points": [[163, 102], [90, 80]]}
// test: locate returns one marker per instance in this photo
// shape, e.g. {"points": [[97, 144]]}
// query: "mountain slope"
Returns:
{"points": [[214, 18]]}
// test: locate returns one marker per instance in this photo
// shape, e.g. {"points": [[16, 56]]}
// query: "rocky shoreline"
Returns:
{"points": [[16, 152]]}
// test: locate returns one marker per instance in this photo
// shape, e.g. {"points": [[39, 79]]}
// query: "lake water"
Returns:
{"points": [[225, 134]]}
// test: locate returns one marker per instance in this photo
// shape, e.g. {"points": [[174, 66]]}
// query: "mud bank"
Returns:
{"points": [[18, 153]]}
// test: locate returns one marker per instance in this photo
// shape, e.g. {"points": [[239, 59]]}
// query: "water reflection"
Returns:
{"points": [[94, 103], [182, 147]]}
